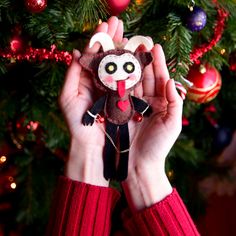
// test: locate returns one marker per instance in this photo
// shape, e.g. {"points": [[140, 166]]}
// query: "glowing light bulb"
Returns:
{"points": [[170, 174], [222, 51], [3, 159], [139, 2], [13, 185]]}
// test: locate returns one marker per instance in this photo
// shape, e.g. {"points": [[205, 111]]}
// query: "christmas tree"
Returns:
{"points": [[37, 39]]}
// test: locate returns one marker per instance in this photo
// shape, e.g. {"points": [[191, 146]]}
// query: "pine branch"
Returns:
{"points": [[48, 27], [90, 11], [229, 40], [3, 69], [4, 3], [55, 24], [215, 58], [184, 149], [132, 17], [177, 47]]}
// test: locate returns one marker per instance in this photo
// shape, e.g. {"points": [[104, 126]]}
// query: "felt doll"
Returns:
{"points": [[116, 72]]}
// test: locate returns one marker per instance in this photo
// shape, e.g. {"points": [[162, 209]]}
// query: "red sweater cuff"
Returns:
{"points": [[167, 217], [81, 209]]}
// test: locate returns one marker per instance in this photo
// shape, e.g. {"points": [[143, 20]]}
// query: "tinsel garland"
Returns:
{"points": [[199, 51], [39, 55]]}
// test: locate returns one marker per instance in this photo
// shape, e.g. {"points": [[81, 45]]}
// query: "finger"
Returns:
{"points": [[113, 23], [148, 37], [160, 70], [72, 77], [175, 102], [148, 81], [148, 76], [124, 41], [118, 36], [138, 91], [103, 27]]}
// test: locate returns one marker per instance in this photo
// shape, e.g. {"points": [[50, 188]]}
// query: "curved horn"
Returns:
{"points": [[138, 40], [104, 39]]}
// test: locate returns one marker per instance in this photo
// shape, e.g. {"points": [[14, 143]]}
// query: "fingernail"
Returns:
{"points": [[172, 81], [76, 54]]}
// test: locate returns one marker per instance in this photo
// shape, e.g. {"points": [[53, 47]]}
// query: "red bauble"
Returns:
{"points": [[206, 83], [16, 45], [117, 6], [137, 117], [232, 61], [36, 6], [100, 119], [185, 121]]}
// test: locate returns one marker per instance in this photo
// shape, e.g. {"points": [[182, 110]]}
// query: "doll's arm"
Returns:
{"points": [[141, 106], [91, 114]]}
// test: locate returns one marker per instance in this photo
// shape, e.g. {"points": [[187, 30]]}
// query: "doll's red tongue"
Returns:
{"points": [[121, 88]]}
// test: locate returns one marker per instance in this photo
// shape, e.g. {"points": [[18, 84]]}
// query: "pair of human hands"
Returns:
{"points": [[151, 139]]}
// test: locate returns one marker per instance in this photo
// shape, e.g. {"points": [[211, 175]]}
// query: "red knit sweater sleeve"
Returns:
{"points": [[81, 209], [167, 217]]}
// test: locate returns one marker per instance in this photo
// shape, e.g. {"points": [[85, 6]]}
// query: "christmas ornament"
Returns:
{"points": [[35, 6], [117, 6], [228, 155], [206, 83], [16, 45], [22, 131], [232, 61], [196, 19], [138, 117], [181, 89], [222, 138], [185, 121], [199, 51], [117, 72]]}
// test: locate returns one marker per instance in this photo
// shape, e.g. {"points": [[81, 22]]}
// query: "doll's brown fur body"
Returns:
{"points": [[116, 72]]}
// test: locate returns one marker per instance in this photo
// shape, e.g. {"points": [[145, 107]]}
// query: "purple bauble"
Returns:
{"points": [[196, 19], [222, 138]]}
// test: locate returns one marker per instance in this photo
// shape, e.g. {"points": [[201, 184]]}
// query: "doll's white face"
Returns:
{"points": [[114, 68]]}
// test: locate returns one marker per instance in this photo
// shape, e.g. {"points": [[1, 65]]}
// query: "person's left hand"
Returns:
{"points": [[152, 139]]}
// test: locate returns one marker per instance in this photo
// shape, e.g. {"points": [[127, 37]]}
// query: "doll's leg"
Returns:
{"points": [[122, 170], [109, 155]]}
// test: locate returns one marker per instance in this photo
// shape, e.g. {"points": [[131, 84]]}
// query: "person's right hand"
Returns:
{"points": [[85, 162]]}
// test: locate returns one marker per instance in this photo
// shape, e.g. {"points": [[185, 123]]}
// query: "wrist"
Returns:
{"points": [[145, 187], [85, 164]]}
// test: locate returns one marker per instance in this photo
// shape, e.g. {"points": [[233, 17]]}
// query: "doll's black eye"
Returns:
{"points": [[111, 67], [129, 67]]}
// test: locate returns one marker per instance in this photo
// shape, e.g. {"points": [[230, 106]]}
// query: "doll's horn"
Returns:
{"points": [[138, 40], [104, 39]]}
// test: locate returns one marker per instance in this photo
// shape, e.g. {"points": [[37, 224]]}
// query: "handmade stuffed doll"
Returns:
{"points": [[117, 71]]}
